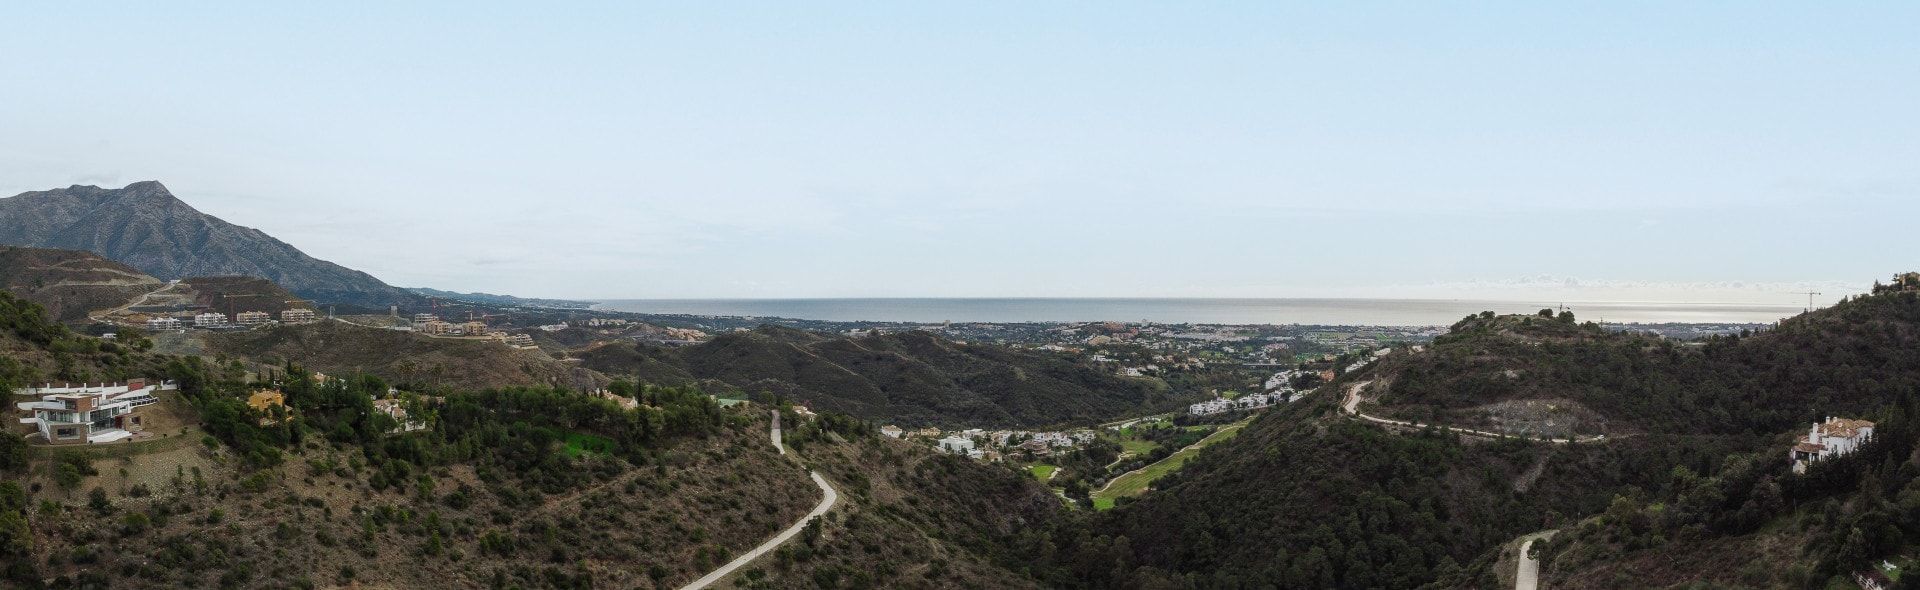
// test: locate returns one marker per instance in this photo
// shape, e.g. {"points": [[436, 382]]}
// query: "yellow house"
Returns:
{"points": [[265, 401]]}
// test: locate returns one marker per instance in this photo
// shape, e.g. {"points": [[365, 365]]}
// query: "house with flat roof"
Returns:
{"points": [[87, 413]]}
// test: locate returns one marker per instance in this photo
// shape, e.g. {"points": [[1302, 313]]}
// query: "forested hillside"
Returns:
{"points": [[911, 378], [519, 487], [402, 357], [1307, 496]]}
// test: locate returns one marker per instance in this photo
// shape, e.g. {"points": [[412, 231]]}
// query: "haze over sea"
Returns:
{"points": [[1375, 312]]}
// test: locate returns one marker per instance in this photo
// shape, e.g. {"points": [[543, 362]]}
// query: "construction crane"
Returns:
{"points": [[228, 298]]}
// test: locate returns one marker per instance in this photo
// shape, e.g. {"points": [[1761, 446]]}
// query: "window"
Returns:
{"points": [[68, 432]]}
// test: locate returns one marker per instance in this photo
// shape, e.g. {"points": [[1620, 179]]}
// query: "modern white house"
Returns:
{"points": [[82, 413], [163, 324], [1833, 438], [958, 445], [210, 319]]}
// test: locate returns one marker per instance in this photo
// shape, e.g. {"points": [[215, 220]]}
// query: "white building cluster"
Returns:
{"points": [[1249, 401]]}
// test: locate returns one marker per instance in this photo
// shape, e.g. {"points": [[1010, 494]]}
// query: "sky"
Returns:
{"points": [[1652, 151]]}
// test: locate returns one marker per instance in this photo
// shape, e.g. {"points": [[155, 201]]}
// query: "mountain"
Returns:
{"points": [[912, 378], [70, 283], [144, 226]]}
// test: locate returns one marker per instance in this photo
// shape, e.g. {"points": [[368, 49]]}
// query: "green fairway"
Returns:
{"points": [[1042, 471], [579, 444], [1137, 447], [1135, 482]]}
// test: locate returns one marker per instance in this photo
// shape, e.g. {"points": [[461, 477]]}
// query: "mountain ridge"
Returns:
{"points": [[143, 225]]}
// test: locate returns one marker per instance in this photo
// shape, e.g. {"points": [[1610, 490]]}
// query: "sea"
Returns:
{"points": [[1327, 312]]}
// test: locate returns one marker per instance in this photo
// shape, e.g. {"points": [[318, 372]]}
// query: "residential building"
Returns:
{"points": [[433, 327], [210, 319], [421, 318], [252, 318], [891, 431], [1833, 438], [297, 316], [520, 341], [265, 401], [474, 328], [88, 413], [598, 322], [397, 410], [957, 445], [163, 324], [553, 327]]}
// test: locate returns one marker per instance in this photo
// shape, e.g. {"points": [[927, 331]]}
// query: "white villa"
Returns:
{"points": [[163, 323], [1832, 438], [210, 319], [891, 431], [85, 413], [958, 445], [297, 316]]}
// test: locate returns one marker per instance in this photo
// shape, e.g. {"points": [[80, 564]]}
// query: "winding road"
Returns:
{"points": [[1528, 575], [826, 503], [1352, 406]]}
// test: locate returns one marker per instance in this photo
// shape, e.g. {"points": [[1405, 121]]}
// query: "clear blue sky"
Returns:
{"points": [[1656, 149]]}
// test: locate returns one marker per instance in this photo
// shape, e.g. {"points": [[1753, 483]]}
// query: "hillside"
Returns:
{"points": [[34, 348], [401, 357], [144, 226], [1308, 496], [70, 283], [909, 517], [911, 378]]}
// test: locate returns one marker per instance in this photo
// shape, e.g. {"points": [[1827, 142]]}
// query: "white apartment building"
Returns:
{"points": [[252, 318], [162, 324], [298, 316], [210, 319]]}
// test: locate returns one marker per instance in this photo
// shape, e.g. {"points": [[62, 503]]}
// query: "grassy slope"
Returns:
{"points": [[1135, 483]]}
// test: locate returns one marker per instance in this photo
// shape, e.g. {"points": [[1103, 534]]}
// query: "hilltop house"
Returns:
{"points": [[891, 431], [161, 324], [297, 316], [88, 413], [1832, 438], [210, 319]]}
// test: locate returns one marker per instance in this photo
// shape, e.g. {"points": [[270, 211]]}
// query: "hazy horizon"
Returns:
{"points": [[1647, 152]]}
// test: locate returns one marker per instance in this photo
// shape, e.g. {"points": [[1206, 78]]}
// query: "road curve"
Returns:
{"points": [[1528, 576], [830, 497], [1352, 406]]}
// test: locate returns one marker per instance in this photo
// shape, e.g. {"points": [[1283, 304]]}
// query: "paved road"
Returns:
{"points": [[778, 445], [826, 503], [1528, 577], [1352, 406]]}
